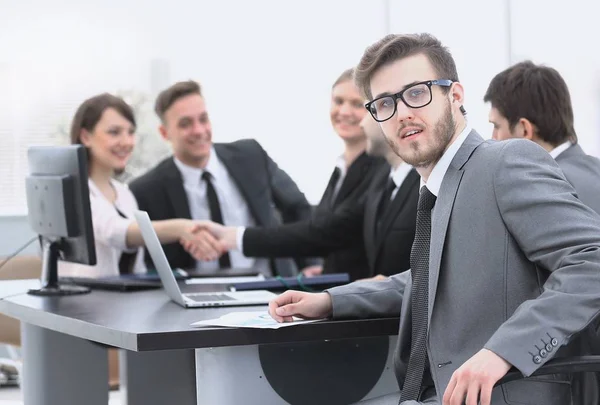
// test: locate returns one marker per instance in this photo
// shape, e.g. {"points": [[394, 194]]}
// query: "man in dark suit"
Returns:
{"points": [[232, 183], [352, 175], [505, 265], [383, 220], [533, 102]]}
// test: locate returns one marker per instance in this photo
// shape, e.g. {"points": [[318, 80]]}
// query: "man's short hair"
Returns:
{"points": [[169, 96], [394, 47], [537, 93]]}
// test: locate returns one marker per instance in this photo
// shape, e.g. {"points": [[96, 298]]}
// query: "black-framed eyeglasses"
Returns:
{"points": [[417, 95]]}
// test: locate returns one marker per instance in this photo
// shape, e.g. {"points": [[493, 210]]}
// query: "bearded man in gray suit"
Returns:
{"points": [[493, 283]]}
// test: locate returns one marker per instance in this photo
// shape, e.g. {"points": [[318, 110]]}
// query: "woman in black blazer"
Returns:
{"points": [[351, 176]]}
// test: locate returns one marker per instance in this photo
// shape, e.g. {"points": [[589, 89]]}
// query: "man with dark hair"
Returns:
{"points": [[533, 102], [233, 183], [489, 288]]}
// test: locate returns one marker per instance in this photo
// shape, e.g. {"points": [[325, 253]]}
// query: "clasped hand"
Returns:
{"points": [[207, 240]]}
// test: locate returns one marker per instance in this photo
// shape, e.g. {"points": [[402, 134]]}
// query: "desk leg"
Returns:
{"points": [[157, 378], [220, 369], [59, 369]]}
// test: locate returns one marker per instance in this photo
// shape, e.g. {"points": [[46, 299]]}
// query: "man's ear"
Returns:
{"points": [[163, 132], [457, 93], [527, 128]]}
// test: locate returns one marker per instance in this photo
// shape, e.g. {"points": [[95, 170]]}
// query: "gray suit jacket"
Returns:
{"points": [[503, 276], [583, 172]]}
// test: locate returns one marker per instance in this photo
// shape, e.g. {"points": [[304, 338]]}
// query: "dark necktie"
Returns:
{"points": [[386, 199], [419, 263], [215, 213]]}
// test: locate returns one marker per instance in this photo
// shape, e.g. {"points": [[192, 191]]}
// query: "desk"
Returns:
{"points": [[165, 361]]}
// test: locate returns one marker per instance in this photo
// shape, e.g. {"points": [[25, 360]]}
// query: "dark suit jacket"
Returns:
{"points": [[264, 185], [387, 253], [351, 258]]}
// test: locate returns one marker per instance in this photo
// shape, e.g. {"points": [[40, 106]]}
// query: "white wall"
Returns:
{"points": [[565, 36], [266, 66], [478, 43]]}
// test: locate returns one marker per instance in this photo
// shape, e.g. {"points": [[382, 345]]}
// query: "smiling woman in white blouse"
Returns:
{"points": [[105, 125]]}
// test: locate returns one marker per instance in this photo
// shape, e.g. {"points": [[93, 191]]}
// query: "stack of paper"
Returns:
{"points": [[252, 319]]}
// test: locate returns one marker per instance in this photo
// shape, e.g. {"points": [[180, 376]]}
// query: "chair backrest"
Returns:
{"points": [[21, 268]]}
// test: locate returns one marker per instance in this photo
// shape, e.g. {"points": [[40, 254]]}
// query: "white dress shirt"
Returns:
{"points": [[398, 176], [560, 149], [110, 233], [234, 208], [434, 182]]}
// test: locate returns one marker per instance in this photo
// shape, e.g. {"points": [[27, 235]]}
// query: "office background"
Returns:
{"points": [[266, 67]]}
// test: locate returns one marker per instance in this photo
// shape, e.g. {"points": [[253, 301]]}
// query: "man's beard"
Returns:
{"points": [[442, 134]]}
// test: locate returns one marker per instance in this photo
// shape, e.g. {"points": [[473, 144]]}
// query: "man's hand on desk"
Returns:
{"points": [[300, 304]]}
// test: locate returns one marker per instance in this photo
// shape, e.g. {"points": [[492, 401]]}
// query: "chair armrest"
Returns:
{"points": [[565, 365]]}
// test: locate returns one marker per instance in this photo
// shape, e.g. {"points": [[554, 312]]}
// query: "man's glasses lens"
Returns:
{"points": [[416, 96]]}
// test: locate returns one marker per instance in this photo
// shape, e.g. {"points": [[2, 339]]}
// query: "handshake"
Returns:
{"points": [[207, 240]]}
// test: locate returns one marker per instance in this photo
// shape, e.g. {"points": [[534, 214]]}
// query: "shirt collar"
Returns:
{"points": [[560, 149], [340, 163], [441, 167], [399, 174], [192, 175]]}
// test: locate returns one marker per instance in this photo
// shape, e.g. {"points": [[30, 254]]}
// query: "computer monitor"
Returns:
{"points": [[58, 201]]}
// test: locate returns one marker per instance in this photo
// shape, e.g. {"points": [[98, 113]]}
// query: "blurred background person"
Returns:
{"points": [[105, 125], [352, 175]]}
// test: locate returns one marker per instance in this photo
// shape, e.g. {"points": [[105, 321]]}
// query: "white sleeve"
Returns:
{"points": [[239, 236]]}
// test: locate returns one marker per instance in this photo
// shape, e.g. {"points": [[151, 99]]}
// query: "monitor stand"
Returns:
{"points": [[49, 280]]}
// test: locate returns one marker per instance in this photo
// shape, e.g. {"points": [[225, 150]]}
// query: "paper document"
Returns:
{"points": [[253, 319], [224, 280]]}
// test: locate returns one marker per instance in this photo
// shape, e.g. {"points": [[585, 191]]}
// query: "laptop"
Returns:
{"points": [[196, 299]]}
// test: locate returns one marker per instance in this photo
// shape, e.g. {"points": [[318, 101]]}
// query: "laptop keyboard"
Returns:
{"points": [[209, 297]]}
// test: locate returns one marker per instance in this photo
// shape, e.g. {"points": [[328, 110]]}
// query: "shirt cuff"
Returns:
{"points": [[239, 238], [118, 237]]}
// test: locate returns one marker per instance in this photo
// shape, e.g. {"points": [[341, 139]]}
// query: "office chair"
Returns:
{"points": [[565, 365], [582, 393]]}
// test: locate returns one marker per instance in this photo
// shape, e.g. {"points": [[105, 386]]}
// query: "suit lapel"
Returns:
{"points": [[370, 224], [175, 190], [239, 169], [326, 200], [403, 192], [354, 177], [443, 209]]}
